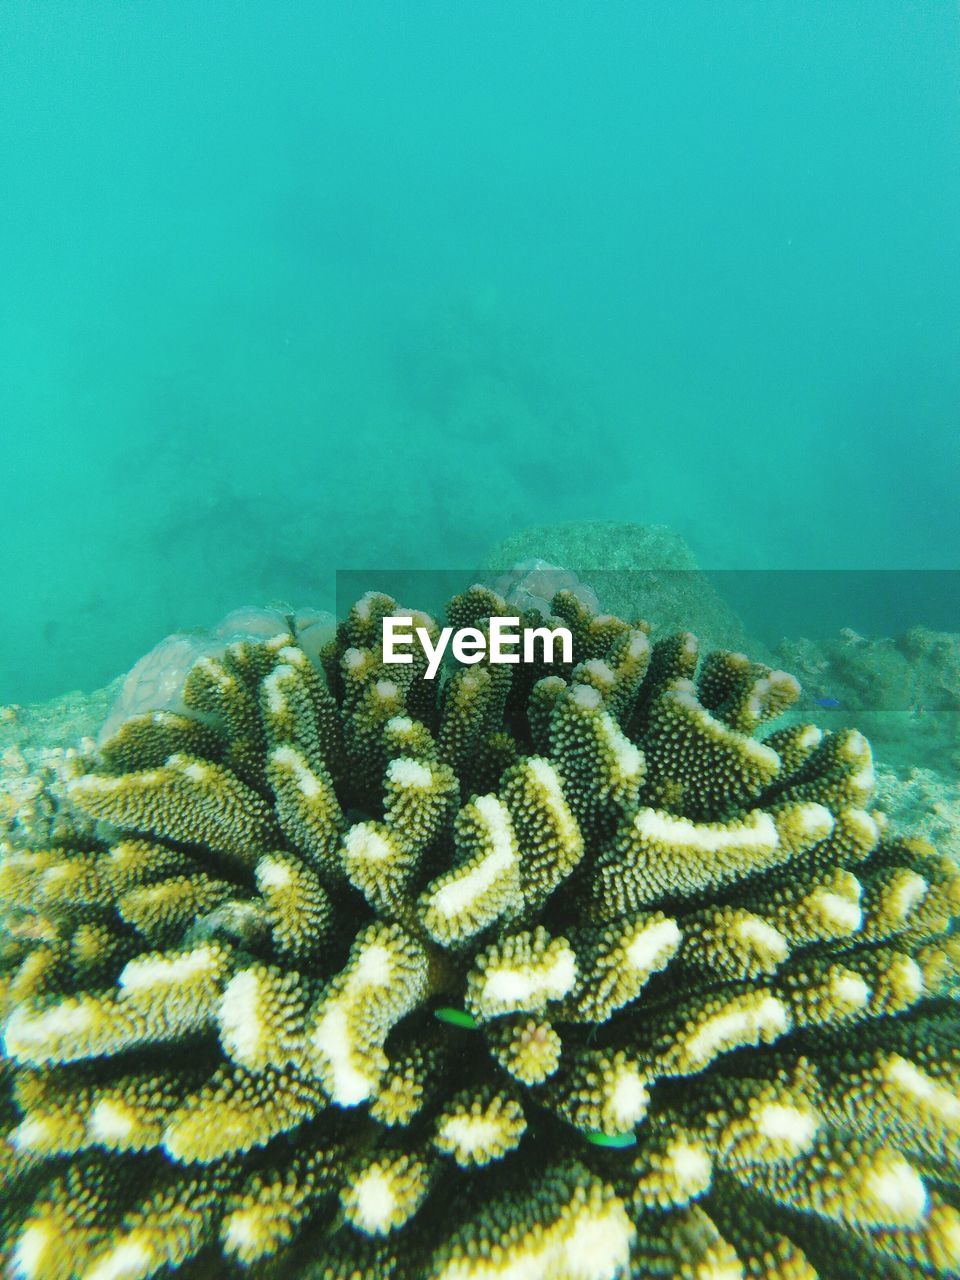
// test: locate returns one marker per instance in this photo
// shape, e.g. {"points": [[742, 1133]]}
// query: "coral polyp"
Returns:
{"points": [[576, 972]]}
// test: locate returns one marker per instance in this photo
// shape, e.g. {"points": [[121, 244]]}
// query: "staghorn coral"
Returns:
{"points": [[557, 973]]}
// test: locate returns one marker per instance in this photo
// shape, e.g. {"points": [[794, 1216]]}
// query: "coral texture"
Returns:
{"points": [[556, 972]]}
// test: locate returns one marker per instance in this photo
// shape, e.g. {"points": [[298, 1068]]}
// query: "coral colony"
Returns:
{"points": [[541, 970]]}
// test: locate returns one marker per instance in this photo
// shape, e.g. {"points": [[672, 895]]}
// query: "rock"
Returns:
{"points": [[636, 571], [903, 692], [924, 803]]}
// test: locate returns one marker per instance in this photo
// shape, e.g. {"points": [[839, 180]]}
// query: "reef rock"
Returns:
{"points": [[635, 571]]}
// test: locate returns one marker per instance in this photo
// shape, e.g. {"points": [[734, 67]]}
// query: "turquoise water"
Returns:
{"points": [[287, 288]]}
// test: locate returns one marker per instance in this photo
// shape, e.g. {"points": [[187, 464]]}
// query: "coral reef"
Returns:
{"points": [[560, 972], [34, 806], [904, 691], [924, 802], [59, 722]]}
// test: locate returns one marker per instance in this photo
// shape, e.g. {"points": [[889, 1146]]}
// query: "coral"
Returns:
{"points": [[34, 808], [924, 802], [155, 682], [904, 691], [61, 722], [562, 973], [532, 583]]}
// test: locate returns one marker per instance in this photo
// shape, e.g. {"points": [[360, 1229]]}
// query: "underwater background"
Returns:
{"points": [[291, 288], [639, 318]]}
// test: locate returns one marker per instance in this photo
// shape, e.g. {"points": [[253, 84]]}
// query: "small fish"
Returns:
{"points": [[609, 1139], [831, 703], [455, 1017]]}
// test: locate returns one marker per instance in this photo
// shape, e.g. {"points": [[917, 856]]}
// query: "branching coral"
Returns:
{"points": [[552, 973]]}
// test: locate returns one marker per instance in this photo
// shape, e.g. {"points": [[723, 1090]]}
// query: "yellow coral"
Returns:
{"points": [[695, 1005]]}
